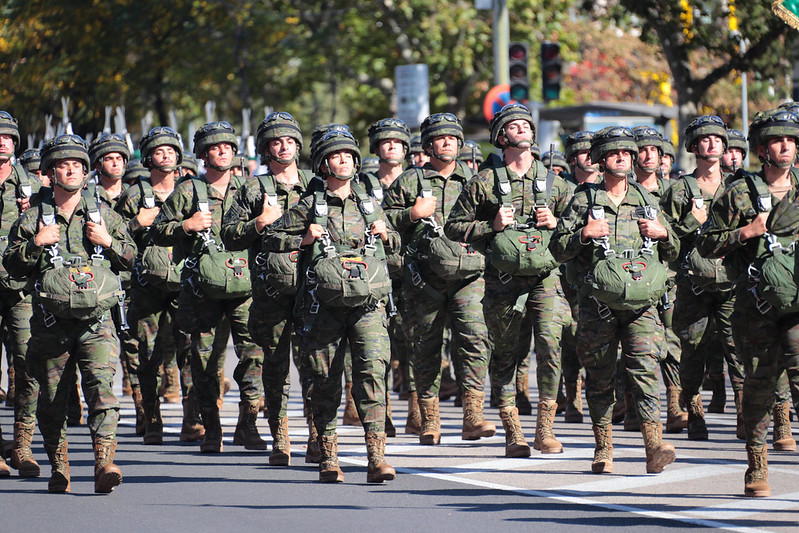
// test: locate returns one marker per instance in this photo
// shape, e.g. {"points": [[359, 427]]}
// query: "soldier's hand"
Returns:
{"points": [[595, 229], [756, 228], [504, 218], [379, 228], [699, 213], [147, 215], [268, 215], [47, 235], [545, 218], [98, 234], [315, 231], [24, 204], [199, 221], [652, 229], [423, 208]]}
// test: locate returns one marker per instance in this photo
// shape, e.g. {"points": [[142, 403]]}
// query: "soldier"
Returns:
{"points": [[17, 188], [337, 231], [733, 158], [612, 230], [510, 211], [444, 282], [556, 162], [472, 155], [417, 157], [753, 239], [667, 160], [256, 206], [216, 285], [705, 297], [69, 244], [31, 160]]}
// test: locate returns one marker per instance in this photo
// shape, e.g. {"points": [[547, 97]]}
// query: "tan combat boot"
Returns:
{"points": [[350, 417], [212, 440], [106, 474], [431, 421], [756, 477], [329, 471], [697, 429], [281, 445], [59, 463], [719, 399], [574, 402], [413, 426], [603, 453], [378, 470], [5, 471], [137, 405], [515, 444], [658, 453], [630, 416], [21, 455], [475, 425], [153, 424], [246, 428], [740, 429], [191, 430], [781, 436], [523, 394], [676, 418], [545, 440], [313, 455]]}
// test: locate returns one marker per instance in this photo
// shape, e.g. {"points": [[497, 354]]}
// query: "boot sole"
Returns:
{"points": [[412, 431], [757, 493], [660, 460], [59, 484], [153, 440], [280, 459], [603, 467], [521, 453], [107, 483], [784, 447], [429, 440], [479, 434], [331, 477], [539, 448], [30, 472], [380, 478]]}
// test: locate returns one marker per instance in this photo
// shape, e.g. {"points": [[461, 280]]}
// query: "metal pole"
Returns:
{"points": [[744, 105], [501, 42]]}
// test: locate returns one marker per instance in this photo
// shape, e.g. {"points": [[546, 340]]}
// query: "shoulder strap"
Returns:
{"points": [[24, 187], [201, 194], [503, 185], [693, 186], [147, 194], [267, 182], [365, 203], [320, 208], [90, 202], [759, 190], [646, 195], [424, 183], [375, 188], [47, 210]]}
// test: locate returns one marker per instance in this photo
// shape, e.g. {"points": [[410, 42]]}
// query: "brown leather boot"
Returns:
{"points": [[378, 470], [545, 440], [719, 399], [191, 430], [246, 428], [391, 430], [676, 418], [350, 417], [313, 455], [756, 477], [740, 429], [413, 425], [658, 453], [281, 445], [59, 463], [515, 443], [523, 394], [697, 429], [475, 425], [5, 471], [153, 424], [574, 402], [630, 417], [329, 471], [106, 474], [431, 421], [212, 440], [603, 453], [21, 455], [137, 405], [781, 437]]}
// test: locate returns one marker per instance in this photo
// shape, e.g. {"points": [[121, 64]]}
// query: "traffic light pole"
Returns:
{"points": [[501, 41]]}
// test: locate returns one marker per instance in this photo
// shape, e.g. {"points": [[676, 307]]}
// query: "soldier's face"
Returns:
{"points": [[781, 151], [113, 165], [219, 154], [618, 161], [69, 172], [164, 156], [341, 163], [446, 145], [419, 159], [665, 164], [732, 158], [391, 149], [582, 159], [649, 158], [283, 148], [519, 133], [710, 146], [6, 147]]}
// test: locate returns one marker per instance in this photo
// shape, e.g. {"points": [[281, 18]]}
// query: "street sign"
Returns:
{"points": [[498, 96], [413, 99]]}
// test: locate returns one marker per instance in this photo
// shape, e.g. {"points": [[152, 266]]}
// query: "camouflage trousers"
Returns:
{"points": [[15, 313], [518, 313], [570, 363], [401, 346], [768, 345], [54, 355], [272, 328], [200, 317], [641, 336], [128, 345], [670, 364], [324, 337], [703, 323], [429, 311]]}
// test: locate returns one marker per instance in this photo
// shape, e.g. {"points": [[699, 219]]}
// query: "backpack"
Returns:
{"points": [[216, 272], [522, 249], [340, 276], [73, 288], [156, 266], [396, 260], [631, 279], [23, 190]]}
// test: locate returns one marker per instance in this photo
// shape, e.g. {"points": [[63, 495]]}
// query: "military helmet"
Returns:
{"points": [[471, 151], [9, 126], [31, 160], [190, 162], [555, 159], [416, 145], [773, 123], [370, 164], [613, 138], [705, 125], [648, 136], [108, 143], [159, 136], [320, 131], [668, 149], [335, 141], [135, 171], [536, 151], [67, 146], [793, 107], [214, 133], [579, 140], [274, 126], [509, 113], [389, 128], [441, 124], [736, 139]]}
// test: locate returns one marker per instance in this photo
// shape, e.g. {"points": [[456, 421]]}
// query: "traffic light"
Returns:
{"points": [[518, 64], [551, 66]]}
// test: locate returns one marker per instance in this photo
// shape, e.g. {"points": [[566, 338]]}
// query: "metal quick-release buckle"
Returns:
{"points": [[504, 277]]}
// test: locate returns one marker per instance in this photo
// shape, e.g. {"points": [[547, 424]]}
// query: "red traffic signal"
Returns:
{"points": [[551, 66], [518, 66]]}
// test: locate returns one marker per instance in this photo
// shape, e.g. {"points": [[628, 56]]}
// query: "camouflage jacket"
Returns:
{"points": [[128, 205]]}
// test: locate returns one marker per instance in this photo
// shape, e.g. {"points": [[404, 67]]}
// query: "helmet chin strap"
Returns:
{"points": [[6, 155], [72, 188], [708, 157], [587, 168], [642, 167], [343, 177], [773, 163], [113, 177], [443, 158], [281, 160], [166, 169], [220, 168]]}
